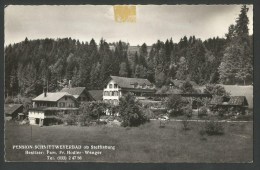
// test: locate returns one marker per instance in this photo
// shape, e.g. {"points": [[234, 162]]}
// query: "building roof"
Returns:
{"points": [[125, 82], [75, 91], [52, 97], [238, 100], [96, 94], [179, 83], [11, 108], [232, 100], [54, 108]]}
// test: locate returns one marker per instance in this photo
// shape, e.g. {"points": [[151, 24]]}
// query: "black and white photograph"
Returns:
{"points": [[128, 83]]}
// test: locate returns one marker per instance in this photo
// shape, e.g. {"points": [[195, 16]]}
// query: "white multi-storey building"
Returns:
{"points": [[118, 86]]}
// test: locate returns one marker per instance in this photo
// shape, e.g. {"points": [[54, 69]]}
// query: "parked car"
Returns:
{"points": [[163, 118]]}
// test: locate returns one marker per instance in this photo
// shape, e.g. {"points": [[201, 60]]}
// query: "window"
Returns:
{"points": [[62, 104], [115, 86], [115, 102], [110, 86], [65, 97], [110, 94], [113, 93], [116, 93]]}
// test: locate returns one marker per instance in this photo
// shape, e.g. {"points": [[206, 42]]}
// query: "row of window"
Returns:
{"points": [[111, 93], [141, 86], [111, 86], [62, 104], [114, 101]]}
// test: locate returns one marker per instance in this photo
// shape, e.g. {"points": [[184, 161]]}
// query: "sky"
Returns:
{"points": [[153, 22]]}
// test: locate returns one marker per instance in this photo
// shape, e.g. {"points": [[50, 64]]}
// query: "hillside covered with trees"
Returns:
{"points": [[32, 65]]}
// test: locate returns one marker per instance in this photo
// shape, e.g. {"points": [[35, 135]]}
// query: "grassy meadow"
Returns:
{"points": [[147, 143]]}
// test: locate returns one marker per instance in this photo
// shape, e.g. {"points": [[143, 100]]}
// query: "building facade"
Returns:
{"points": [[47, 106], [116, 87]]}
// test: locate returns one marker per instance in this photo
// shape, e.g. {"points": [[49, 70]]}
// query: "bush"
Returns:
{"points": [[175, 103], [83, 119], [187, 87], [185, 124], [187, 110], [70, 119], [221, 112], [94, 109], [131, 111], [215, 90], [203, 111], [9, 100], [214, 128]]}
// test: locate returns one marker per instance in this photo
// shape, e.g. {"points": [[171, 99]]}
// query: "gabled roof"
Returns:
{"points": [[11, 108], [96, 94], [52, 97], [125, 82], [238, 100], [75, 91], [232, 100]]}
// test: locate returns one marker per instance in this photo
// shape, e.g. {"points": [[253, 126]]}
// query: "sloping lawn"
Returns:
{"points": [[147, 143]]}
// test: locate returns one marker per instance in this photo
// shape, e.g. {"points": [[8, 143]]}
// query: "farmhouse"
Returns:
{"points": [[116, 87], [47, 105], [237, 103], [12, 110]]}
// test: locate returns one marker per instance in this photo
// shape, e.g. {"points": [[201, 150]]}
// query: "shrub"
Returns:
{"points": [[9, 100], [93, 109], [221, 112], [131, 111], [175, 103], [83, 119], [70, 119], [203, 111], [214, 128], [187, 87], [185, 124], [187, 110], [215, 90]]}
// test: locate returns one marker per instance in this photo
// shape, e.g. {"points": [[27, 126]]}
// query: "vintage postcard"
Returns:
{"points": [[129, 83]]}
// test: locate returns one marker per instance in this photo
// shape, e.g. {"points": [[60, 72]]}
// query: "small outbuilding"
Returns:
{"points": [[13, 110], [237, 103]]}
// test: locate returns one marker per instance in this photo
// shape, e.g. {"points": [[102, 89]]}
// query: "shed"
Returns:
{"points": [[12, 110]]}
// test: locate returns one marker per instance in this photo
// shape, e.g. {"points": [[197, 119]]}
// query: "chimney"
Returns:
{"points": [[69, 83], [45, 92]]}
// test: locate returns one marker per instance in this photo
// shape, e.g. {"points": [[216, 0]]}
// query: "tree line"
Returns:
{"points": [[31, 65]]}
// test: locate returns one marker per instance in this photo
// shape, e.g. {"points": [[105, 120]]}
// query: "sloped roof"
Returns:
{"points": [[232, 100], [238, 100], [96, 94], [75, 91], [179, 83], [11, 108], [125, 82], [52, 97]]}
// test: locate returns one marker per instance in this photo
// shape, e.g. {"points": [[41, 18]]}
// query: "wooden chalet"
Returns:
{"points": [[47, 105], [238, 103], [12, 110]]}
